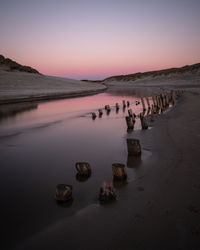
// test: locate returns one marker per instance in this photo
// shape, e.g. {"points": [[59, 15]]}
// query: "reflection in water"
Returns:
{"points": [[51, 138], [65, 204], [133, 161], [81, 178], [119, 184], [14, 109]]}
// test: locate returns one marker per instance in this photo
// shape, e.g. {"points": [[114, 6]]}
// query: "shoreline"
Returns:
{"points": [[165, 214], [18, 87], [52, 96]]}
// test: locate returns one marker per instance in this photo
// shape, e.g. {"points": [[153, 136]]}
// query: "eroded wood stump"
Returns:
{"points": [[119, 171], [128, 103], [107, 192], [124, 103], [143, 120], [130, 112], [83, 169], [134, 147], [94, 116], [152, 116], [100, 112], [107, 108], [63, 192], [129, 122], [143, 104], [117, 106]]}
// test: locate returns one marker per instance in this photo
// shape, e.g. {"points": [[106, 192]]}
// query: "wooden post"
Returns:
{"points": [[119, 172], [148, 103], [152, 116], [128, 103], [154, 102], [107, 192], [134, 147], [129, 122], [117, 106], [94, 116], [83, 168], [124, 104], [143, 104], [107, 108], [100, 112], [143, 120], [172, 97], [63, 192], [130, 112]]}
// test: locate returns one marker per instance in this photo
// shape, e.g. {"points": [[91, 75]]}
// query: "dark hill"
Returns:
{"points": [[195, 68], [12, 65]]}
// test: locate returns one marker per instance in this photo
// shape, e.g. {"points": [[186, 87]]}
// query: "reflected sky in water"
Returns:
{"points": [[39, 149]]}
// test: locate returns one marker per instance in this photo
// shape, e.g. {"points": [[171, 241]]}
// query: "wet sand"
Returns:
{"points": [[160, 209]]}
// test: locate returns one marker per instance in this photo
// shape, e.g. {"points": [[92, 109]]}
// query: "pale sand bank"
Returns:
{"points": [[22, 86]]}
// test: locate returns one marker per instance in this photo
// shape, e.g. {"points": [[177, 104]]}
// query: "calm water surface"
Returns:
{"points": [[39, 148]]}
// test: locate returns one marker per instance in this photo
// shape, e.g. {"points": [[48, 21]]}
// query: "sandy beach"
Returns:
{"points": [[160, 209], [99, 125]]}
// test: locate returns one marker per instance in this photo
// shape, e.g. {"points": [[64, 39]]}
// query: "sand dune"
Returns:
{"points": [[22, 86], [185, 76]]}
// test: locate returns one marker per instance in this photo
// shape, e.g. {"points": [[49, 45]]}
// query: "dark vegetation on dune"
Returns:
{"points": [[165, 72], [12, 65]]}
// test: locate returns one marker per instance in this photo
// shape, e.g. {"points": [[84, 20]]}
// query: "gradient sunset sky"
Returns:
{"points": [[93, 39]]}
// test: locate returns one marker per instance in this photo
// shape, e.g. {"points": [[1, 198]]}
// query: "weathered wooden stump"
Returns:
{"points": [[134, 147], [107, 192], [94, 116], [117, 106], [130, 112], [154, 101], [119, 172], [129, 122], [152, 116], [143, 104], [143, 122], [63, 192], [148, 103], [83, 169], [107, 108], [124, 103], [128, 103], [148, 111], [100, 112]]}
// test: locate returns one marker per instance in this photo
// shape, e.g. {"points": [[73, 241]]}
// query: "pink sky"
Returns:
{"points": [[93, 40]]}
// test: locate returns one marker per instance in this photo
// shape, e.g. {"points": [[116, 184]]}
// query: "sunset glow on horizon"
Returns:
{"points": [[93, 39]]}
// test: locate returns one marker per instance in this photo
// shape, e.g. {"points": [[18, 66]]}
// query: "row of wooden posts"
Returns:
{"points": [[108, 109], [107, 192], [160, 103]]}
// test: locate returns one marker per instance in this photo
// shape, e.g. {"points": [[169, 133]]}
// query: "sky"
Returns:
{"points": [[93, 39]]}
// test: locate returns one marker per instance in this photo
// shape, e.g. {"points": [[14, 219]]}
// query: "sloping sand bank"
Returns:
{"points": [[22, 86], [160, 209]]}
